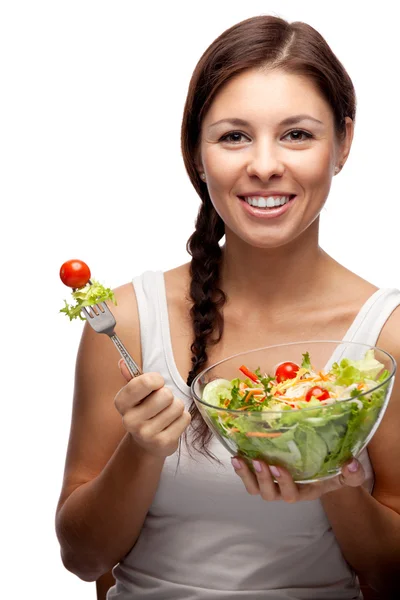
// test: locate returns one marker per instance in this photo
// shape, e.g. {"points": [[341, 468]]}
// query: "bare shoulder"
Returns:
{"points": [[384, 448], [357, 288], [177, 280], [177, 289], [96, 426]]}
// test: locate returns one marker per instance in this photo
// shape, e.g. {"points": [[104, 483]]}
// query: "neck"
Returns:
{"points": [[292, 275]]}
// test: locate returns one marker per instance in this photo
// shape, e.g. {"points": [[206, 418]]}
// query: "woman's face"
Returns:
{"points": [[261, 154]]}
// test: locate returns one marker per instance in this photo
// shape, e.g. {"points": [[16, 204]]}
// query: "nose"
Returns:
{"points": [[264, 160]]}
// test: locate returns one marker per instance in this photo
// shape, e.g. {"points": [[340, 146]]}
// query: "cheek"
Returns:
{"points": [[312, 168], [222, 167]]}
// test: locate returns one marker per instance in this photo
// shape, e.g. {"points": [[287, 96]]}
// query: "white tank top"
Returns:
{"points": [[205, 537]]}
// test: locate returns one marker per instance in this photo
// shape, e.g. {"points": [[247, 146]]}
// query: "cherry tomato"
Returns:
{"points": [[318, 393], [286, 370], [75, 273]]}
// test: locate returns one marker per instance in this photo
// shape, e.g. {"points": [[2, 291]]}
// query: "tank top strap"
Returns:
{"points": [[367, 325], [155, 335], [151, 339]]}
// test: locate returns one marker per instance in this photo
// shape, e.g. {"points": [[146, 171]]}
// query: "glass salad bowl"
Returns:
{"points": [[307, 406]]}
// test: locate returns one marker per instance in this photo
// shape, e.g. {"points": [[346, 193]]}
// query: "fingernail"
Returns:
{"points": [[121, 360], [257, 466], [236, 463], [353, 466], [275, 471]]}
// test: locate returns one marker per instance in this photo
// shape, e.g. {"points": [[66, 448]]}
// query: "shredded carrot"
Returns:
{"points": [[261, 434], [250, 393], [360, 386], [249, 373], [234, 429]]}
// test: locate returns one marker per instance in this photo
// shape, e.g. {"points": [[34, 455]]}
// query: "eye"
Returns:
{"points": [[301, 132], [236, 137], [233, 137]]}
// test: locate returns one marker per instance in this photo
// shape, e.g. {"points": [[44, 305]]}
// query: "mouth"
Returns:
{"points": [[268, 204]]}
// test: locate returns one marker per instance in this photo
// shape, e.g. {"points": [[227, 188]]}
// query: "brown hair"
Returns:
{"points": [[263, 42]]}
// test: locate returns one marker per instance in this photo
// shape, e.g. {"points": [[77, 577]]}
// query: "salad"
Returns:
{"points": [[76, 274], [307, 420]]}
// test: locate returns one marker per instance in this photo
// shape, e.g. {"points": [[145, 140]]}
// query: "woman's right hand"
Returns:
{"points": [[150, 413]]}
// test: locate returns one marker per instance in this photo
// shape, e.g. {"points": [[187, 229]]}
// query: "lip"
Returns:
{"points": [[271, 213], [264, 194]]}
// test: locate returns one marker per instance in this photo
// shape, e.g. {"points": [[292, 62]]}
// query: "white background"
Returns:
{"points": [[92, 95]]}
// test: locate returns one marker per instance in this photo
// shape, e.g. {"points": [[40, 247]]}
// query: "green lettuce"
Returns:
{"points": [[306, 363], [87, 296], [353, 371]]}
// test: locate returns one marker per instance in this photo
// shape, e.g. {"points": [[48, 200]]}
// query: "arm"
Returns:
{"points": [[103, 584], [368, 527], [109, 482], [101, 519], [368, 533]]}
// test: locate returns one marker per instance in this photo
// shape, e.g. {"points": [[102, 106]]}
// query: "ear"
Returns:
{"points": [[198, 162], [345, 146]]}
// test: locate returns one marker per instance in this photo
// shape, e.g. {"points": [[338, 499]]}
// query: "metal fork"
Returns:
{"points": [[101, 319]]}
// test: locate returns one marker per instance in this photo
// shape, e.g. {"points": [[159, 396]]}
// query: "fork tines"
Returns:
{"points": [[96, 308]]}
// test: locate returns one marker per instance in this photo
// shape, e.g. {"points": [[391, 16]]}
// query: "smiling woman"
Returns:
{"points": [[268, 121]]}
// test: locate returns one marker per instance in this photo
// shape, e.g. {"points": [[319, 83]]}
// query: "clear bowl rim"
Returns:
{"points": [[292, 410]]}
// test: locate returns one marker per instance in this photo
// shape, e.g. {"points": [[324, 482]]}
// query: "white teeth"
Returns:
{"points": [[270, 202]]}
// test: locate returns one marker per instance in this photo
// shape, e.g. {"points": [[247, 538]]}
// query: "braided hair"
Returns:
{"points": [[208, 299]]}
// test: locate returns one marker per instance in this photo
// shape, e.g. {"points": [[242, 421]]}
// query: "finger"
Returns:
{"points": [[249, 480], [288, 489], [164, 418], [124, 369], [154, 404], [352, 473], [136, 390], [268, 489], [177, 427]]}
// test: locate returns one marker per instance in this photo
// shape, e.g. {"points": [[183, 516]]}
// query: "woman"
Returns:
{"points": [[270, 112]]}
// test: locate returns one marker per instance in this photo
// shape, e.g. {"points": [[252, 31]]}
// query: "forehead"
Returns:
{"points": [[267, 97]]}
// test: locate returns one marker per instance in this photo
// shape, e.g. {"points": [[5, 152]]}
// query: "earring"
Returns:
{"points": [[337, 169], [203, 176]]}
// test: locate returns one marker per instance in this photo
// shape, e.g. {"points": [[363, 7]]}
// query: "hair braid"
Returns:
{"points": [[207, 299]]}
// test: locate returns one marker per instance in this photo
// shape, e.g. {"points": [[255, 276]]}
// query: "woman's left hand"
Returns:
{"points": [[262, 483]]}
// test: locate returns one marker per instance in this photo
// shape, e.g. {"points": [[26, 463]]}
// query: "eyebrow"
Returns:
{"points": [[288, 121]]}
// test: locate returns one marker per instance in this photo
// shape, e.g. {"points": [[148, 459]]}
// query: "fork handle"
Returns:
{"points": [[133, 368]]}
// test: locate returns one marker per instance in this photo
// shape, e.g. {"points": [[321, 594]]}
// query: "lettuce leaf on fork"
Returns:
{"points": [[87, 296]]}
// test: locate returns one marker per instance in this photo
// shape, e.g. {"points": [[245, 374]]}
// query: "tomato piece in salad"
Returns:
{"points": [[317, 392], [286, 370]]}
